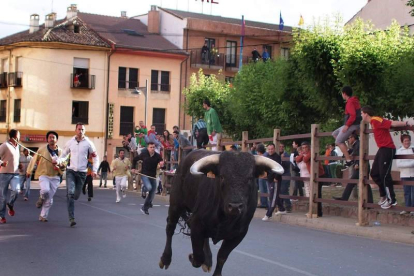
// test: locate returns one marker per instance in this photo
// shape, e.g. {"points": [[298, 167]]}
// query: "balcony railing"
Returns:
{"points": [[207, 60], [127, 84], [233, 61], [160, 87], [3, 80], [83, 81], [15, 79]]}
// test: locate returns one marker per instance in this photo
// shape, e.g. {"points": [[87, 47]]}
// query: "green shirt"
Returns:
{"points": [[212, 120]]}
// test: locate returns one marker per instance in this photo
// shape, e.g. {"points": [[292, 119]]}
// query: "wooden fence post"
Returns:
{"points": [[363, 175], [245, 137], [276, 141], [314, 191]]}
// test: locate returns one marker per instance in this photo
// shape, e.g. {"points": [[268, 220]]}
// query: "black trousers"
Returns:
{"points": [[381, 172], [350, 186], [88, 181], [274, 198], [202, 138]]}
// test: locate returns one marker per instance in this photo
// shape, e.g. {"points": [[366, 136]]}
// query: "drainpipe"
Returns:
{"points": [[181, 90], [107, 100], [8, 95]]}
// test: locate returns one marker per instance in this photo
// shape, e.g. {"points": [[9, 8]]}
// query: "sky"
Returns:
{"points": [[15, 14]]}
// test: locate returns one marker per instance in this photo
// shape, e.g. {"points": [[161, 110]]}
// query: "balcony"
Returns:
{"points": [[3, 80], [83, 81], [163, 87], [15, 79], [233, 61], [207, 61]]}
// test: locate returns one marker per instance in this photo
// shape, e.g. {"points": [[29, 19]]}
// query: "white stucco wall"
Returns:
{"points": [[172, 28]]}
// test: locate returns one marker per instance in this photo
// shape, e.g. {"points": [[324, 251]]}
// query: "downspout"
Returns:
{"points": [[107, 99], [181, 90], [8, 95], [186, 69]]}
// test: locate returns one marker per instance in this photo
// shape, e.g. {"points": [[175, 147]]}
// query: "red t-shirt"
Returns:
{"points": [[382, 134]]}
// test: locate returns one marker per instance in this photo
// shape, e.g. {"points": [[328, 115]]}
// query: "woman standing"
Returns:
{"points": [[406, 167]]}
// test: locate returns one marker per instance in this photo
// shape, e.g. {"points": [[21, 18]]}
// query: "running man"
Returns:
{"points": [[79, 148], [47, 173], [121, 171], [9, 173], [25, 159]]}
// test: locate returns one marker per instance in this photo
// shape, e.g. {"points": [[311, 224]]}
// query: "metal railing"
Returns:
{"points": [[3, 80], [233, 61], [127, 84], [160, 87], [207, 60], [84, 81], [15, 79]]}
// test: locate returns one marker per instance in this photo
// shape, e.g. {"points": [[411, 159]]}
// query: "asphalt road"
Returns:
{"points": [[116, 239]]}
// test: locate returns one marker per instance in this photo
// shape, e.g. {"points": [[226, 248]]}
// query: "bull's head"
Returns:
{"points": [[236, 173]]}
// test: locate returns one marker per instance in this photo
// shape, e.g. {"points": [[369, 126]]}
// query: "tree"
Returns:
{"points": [[410, 3]]}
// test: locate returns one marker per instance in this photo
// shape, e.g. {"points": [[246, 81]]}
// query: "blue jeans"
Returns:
{"points": [[264, 202], [74, 183], [151, 186], [6, 179], [23, 179], [408, 192], [104, 176]]}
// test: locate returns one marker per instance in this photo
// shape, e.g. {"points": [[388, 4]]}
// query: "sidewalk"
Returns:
{"points": [[341, 225]]}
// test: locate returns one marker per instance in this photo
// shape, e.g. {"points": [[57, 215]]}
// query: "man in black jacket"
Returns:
{"points": [[103, 170], [150, 160]]}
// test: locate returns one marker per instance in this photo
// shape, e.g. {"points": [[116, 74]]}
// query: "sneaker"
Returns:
{"points": [[279, 213], [26, 198], [72, 222], [266, 218], [380, 202], [39, 202], [11, 210], [123, 193], [145, 212], [89, 199], [394, 202], [118, 200], [403, 212], [2, 220], [42, 219], [386, 205], [105, 186], [348, 164]]}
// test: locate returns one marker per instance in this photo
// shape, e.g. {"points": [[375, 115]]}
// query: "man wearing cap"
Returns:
{"points": [[47, 173], [9, 173], [79, 148]]}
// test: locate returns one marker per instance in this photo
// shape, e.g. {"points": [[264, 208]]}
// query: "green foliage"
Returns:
{"points": [[410, 3]]}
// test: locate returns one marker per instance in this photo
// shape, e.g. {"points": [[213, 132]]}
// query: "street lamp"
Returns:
{"points": [[143, 90]]}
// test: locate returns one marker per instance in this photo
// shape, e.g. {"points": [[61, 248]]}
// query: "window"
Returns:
{"points": [[160, 82], [165, 81], [229, 79], [231, 53], [285, 53], [3, 104], [210, 42], [17, 110], [126, 124], [76, 29], [158, 119], [154, 80], [80, 111], [4, 70], [130, 74], [80, 73]]}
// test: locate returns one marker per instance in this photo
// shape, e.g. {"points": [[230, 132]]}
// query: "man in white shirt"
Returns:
{"points": [[9, 173], [25, 159], [79, 148]]}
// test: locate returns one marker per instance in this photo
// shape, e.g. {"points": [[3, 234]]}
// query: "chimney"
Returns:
{"points": [[154, 20], [49, 20], [123, 14], [72, 11], [34, 23]]}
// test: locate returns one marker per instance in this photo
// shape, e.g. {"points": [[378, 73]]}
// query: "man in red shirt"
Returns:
{"points": [[352, 119], [381, 168]]}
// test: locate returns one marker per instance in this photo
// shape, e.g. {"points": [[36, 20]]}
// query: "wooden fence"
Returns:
{"points": [[314, 136]]}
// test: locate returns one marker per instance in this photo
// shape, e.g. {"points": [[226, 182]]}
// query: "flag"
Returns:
{"points": [[301, 21], [281, 23]]}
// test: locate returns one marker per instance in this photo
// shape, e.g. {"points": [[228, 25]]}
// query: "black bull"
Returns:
{"points": [[220, 208]]}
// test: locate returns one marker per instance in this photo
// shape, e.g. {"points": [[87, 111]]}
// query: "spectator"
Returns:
{"points": [[168, 146], [183, 143], [264, 203], [233, 148], [152, 130], [381, 168], [213, 142], [204, 53], [103, 170], [76, 82], [274, 192], [213, 54], [328, 150], [152, 138], [255, 55], [200, 133], [298, 187], [212, 120], [353, 141], [89, 178], [132, 145], [125, 143], [25, 177], [141, 128], [352, 119], [284, 188], [141, 144], [265, 55], [406, 167], [303, 162], [176, 128], [253, 149]]}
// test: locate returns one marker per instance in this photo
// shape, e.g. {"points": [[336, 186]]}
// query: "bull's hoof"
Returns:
{"points": [[193, 262], [206, 268], [162, 265]]}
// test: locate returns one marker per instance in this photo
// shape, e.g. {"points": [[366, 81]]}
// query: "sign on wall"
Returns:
{"points": [[110, 121]]}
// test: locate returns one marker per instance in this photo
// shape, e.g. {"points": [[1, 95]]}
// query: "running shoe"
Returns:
{"points": [[10, 210], [386, 205], [39, 202], [348, 165], [380, 202], [72, 222], [279, 213], [394, 202], [145, 212], [123, 193], [266, 218], [2, 220], [42, 219]]}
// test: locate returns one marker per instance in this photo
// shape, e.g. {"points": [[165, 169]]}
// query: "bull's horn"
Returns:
{"points": [[273, 165], [203, 162]]}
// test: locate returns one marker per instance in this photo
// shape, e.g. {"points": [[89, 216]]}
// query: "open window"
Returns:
{"points": [[81, 77]]}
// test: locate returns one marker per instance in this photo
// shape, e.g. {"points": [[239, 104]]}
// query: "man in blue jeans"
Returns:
{"points": [[79, 148], [150, 160], [9, 173], [25, 177]]}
